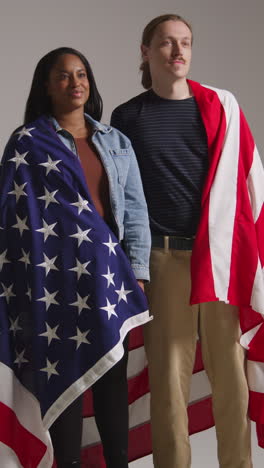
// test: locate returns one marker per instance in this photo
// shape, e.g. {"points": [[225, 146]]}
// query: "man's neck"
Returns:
{"points": [[176, 90]]}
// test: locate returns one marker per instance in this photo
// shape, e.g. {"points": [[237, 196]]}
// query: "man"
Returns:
{"points": [[200, 170]]}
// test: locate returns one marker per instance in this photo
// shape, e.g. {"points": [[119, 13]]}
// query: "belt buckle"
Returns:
{"points": [[166, 244]]}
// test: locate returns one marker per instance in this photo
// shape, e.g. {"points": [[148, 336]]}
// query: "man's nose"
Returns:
{"points": [[176, 49]]}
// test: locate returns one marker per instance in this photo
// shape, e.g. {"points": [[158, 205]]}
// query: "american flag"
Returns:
{"points": [[68, 296]]}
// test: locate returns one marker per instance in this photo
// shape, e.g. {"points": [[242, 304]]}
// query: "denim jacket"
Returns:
{"points": [[126, 193]]}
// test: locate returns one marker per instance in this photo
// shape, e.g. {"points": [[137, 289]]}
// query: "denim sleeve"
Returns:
{"points": [[137, 238]]}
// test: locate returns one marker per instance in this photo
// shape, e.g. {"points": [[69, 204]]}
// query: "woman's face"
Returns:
{"points": [[68, 85]]}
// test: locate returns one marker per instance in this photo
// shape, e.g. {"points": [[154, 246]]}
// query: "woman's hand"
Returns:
{"points": [[141, 284]]}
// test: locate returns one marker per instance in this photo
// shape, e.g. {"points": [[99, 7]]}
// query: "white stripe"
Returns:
{"points": [[223, 196], [139, 411], [248, 336], [257, 295], [8, 458], [255, 185], [90, 434], [137, 361], [255, 375], [14, 395], [200, 387]]}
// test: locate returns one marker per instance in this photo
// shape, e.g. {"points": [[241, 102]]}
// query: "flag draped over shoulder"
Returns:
{"points": [[228, 255], [68, 296], [227, 265]]}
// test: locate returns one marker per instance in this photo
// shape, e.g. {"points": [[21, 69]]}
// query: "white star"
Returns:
{"points": [[3, 259], [48, 264], [18, 191], [21, 225], [20, 358], [111, 245], [19, 158], [122, 293], [80, 268], [80, 338], [109, 276], [81, 235], [81, 303], [49, 197], [25, 132], [49, 298], [29, 293], [81, 204], [14, 327], [51, 165], [25, 258], [50, 369], [7, 292], [110, 309], [50, 333], [47, 230]]}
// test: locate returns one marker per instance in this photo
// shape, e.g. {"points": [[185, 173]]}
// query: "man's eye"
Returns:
{"points": [[186, 44], [166, 43]]}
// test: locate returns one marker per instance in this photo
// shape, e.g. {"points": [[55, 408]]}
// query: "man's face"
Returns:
{"points": [[170, 51]]}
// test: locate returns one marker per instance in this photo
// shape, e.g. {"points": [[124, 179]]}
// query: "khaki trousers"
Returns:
{"points": [[170, 341]]}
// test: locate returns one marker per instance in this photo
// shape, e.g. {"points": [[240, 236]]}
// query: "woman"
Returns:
{"points": [[72, 203]]}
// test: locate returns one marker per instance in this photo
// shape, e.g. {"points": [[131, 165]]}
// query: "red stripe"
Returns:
{"points": [[256, 348], [136, 338], [200, 415], [198, 365], [256, 406], [28, 448], [260, 434], [260, 235]]}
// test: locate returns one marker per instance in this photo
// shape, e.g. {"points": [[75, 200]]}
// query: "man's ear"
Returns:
{"points": [[144, 52]]}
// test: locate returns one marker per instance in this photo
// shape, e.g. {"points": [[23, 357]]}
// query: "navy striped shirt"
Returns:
{"points": [[170, 142]]}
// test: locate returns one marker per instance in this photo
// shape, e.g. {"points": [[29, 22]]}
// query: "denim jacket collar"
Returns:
{"points": [[97, 126]]}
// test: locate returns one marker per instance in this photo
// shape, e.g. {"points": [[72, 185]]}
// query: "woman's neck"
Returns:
{"points": [[74, 122]]}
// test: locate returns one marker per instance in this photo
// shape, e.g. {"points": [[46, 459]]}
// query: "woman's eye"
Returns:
{"points": [[63, 76]]}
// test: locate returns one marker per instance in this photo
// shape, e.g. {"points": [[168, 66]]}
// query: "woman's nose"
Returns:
{"points": [[74, 80]]}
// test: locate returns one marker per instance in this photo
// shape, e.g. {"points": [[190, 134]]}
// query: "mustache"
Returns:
{"points": [[178, 57]]}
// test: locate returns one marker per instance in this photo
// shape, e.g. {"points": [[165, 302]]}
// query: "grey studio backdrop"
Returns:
{"points": [[228, 53]]}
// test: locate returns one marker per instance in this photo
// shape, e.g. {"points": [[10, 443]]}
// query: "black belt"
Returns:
{"points": [[172, 242]]}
